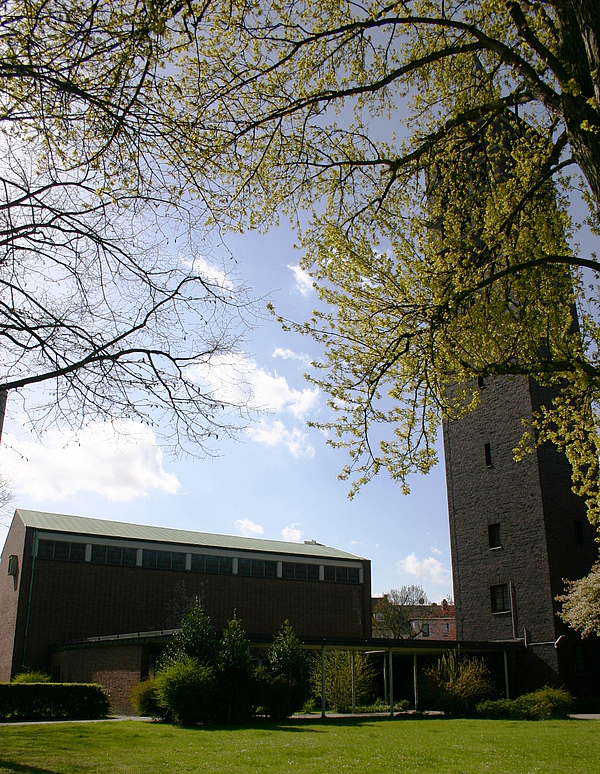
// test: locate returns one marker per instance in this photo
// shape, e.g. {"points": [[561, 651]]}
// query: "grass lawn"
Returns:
{"points": [[357, 745]]}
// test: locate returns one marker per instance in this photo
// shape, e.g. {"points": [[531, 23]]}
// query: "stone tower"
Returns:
{"points": [[516, 530]]}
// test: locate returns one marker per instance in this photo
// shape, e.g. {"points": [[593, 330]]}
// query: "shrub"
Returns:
{"points": [[276, 696], [187, 689], [36, 701], [498, 709], [338, 679], [32, 676], [234, 675], [284, 688], [144, 698], [455, 685], [379, 705], [545, 704]]}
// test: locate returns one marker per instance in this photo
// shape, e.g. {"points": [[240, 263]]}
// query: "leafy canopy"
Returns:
{"points": [[436, 145]]}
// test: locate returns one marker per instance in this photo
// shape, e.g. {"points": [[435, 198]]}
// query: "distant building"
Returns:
{"points": [[88, 598], [419, 622], [437, 622]]}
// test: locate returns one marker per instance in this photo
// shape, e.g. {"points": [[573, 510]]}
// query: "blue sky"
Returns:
{"points": [[278, 480]]}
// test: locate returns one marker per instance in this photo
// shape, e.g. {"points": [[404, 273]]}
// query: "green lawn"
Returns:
{"points": [[353, 745]]}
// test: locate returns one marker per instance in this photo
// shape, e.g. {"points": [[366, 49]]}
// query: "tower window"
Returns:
{"points": [[494, 536], [499, 598], [481, 382], [488, 455]]}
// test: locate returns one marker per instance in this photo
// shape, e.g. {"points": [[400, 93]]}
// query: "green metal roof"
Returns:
{"points": [[79, 525]]}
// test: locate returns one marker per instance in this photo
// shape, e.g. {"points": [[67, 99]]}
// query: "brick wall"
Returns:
{"points": [[116, 668], [75, 600], [533, 503]]}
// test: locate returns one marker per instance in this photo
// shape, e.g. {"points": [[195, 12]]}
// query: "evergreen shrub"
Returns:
{"points": [[544, 704], [32, 676], [187, 689]]}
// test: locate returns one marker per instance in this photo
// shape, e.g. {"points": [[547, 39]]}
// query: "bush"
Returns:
{"points": [[31, 676], [234, 675], [276, 696], [284, 688], [379, 705], [338, 679], [545, 704], [144, 698], [498, 709], [455, 685], [48, 701], [187, 689]]}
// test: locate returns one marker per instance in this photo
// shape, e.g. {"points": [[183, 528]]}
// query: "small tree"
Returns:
{"points": [[401, 613], [285, 656], [338, 679], [457, 684], [195, 639], [284, 686], [234, 674]]}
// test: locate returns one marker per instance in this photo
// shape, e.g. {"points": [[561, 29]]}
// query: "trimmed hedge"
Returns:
{"points": [[50, 701]]}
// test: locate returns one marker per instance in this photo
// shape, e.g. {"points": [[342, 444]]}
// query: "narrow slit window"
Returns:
{"points": [[488, 455]]}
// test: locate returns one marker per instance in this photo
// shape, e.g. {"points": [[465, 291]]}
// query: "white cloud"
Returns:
{"points": [[435, 550], [235, 378], [303, 279], [277, 434], [289, 354], [248, 528], [292, 532], [209, 272], [119, 461], [429, 569]]}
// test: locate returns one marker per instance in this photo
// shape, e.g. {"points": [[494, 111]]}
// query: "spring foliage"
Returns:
{"points": [[456, 684], [338, 679]]}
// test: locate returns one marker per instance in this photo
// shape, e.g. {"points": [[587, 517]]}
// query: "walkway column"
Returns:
{"points": [[391, 679], [322, 681], [385, 678], [415, 682], [506, 684], [353, 683]]}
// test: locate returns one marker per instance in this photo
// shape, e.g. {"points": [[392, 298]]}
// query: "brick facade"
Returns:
{"points": [[56, 601], [516, 530]]}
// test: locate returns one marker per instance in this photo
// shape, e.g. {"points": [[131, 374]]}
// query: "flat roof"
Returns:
{"points": [[80, 525]]}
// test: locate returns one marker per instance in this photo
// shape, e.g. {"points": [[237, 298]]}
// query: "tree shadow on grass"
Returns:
{"points": [[20, 768], [312, 725]]}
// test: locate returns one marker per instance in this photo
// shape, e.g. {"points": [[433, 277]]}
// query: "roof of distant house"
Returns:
{"points": [[80, 525]]}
